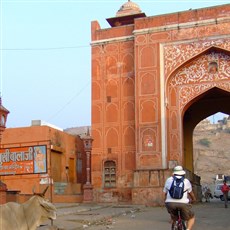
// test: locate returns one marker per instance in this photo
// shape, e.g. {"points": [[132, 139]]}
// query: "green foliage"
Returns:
{"points": [[204, 142]]}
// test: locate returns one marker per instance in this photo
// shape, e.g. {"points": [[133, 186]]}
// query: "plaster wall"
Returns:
{"points": [[57, 143]]}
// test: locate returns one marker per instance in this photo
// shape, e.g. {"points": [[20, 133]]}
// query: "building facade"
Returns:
{"points": [[38, 156], [153, 79]]}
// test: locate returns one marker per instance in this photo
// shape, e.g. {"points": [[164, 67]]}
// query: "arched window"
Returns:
{"points": [[110, 174]]}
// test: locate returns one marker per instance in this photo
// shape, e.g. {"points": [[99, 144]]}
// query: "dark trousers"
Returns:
{"points": [[226, 199]]}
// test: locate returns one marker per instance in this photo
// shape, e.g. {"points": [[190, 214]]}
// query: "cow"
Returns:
{"points": [[27, 216]]}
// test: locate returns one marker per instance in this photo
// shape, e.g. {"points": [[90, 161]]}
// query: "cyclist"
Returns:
{"points": [[182, 204]]}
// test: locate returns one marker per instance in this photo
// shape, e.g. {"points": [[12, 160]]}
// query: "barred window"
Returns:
{"points": [[110, 174]]}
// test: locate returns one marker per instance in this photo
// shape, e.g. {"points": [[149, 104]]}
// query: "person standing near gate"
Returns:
{"points": [[225, 190]]}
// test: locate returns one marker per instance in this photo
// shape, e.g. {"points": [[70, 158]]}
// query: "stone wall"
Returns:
{"points": [[148, 186]]}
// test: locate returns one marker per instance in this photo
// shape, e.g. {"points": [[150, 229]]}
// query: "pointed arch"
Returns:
{"points": [[129, 111], [212, 49], [128, 64], [128, 87], [148, 84], [209, 102], [111, 65], [147, 56], [195, 77], [111, 138], [148, 111], [194, 92], [96, 114], [129, 136], [111, 113], [96, 134], [112, 88], [96, 91], [96, 69]]}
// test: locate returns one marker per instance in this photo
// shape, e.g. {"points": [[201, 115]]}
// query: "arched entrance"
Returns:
{"points": [[212, 101], [197, 89]]}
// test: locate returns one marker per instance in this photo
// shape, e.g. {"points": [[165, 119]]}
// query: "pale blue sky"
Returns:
{"points": [[46, 55]]}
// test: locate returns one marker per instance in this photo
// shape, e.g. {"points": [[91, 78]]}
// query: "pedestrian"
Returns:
{"points": [[181, 201], [225, 190]]}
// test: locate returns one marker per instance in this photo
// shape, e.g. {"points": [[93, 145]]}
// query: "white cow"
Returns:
{"points": [[26, 216]]}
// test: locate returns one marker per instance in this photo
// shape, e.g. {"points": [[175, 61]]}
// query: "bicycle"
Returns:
{"points": [[179, 224]]}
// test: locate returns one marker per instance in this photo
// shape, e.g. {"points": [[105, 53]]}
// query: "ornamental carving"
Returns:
{"points": [[176, 55], [200, 72], [187, 93], [208, 71]]}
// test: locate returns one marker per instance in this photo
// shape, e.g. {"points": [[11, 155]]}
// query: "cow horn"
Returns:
{"points": [[43, 193]]}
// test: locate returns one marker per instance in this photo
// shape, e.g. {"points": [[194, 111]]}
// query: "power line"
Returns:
{"points": [[70, 100]]}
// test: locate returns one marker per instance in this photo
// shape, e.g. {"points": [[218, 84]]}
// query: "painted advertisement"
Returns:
{"points": [[23, 160]]}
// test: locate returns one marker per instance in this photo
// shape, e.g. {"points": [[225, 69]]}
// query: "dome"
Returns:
{"points": [[128, 8]]}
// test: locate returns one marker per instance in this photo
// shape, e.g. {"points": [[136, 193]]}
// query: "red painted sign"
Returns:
{"points": [[23, 160]]}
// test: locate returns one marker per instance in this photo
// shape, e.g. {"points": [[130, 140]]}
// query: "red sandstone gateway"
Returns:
{"points": [[153, 80]]}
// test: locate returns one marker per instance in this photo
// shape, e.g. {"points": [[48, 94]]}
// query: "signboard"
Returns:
{"points": [[23, 160]]}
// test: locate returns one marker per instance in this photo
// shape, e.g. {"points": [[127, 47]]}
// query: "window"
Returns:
{"points": [[110, 174]]}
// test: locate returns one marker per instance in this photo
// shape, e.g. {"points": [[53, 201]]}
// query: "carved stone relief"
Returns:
{"points": [[128, 87], [210, 70], [124, 46], [150, 161], [203, 66], [199, 70], [128, 64], [214, 30], [200, 32], [148, 56], [96, 133], [128, 111], [148, 111], [112, 137], [129, 136], [111, 113], [111, 66], [149, 140], [148, 83], [96, 75], [141, 39], [112, 89], [110, 48], [177, 54], [96, 88], [96, 113]]}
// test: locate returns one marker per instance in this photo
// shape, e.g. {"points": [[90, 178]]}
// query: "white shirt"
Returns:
{"points": [[187, 189]]}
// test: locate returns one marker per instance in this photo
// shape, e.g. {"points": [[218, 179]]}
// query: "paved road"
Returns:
{"points": [[209, 216]]}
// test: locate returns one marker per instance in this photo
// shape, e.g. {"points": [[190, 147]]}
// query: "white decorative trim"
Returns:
{"points": [[182, 25], [196, 78], [178, 54], [112, 40], [163, 113]]}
